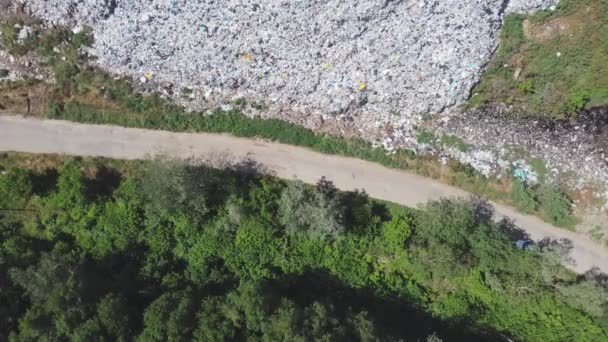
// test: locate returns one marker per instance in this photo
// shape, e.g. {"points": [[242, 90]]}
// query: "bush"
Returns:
{"points": [[523, 197], [303, 210], [577, 101], [555, 206], [15, 189]]}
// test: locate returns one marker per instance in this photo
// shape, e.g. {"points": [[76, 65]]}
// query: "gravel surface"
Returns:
{"points": [[285, 161]]}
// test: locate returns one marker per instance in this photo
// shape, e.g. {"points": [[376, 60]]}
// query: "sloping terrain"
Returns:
{"points": [[379, 59], [553, 63]]}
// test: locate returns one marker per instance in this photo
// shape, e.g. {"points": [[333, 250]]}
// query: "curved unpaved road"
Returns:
{"points": [[49, 136]]}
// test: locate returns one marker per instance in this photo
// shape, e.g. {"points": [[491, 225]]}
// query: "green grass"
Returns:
{"points": [[454, 141], [153, 113], [560, 74], [426, 136], [14, 46], [597, 233]]}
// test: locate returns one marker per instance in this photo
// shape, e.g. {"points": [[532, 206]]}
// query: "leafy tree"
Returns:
{"points": [[118, 223], [68, 210], [170, 317], [257, 250], [303, 210], [264, 198], [212, 322], [357, 212], [15, 189], [589, 297], [212, 255], [396, 232], [54, 287], [173, 186], [88, 331], [114, 316], [445, 221]]}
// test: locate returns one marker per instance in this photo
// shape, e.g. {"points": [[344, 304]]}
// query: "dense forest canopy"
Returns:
{"points": [[174, 251]]}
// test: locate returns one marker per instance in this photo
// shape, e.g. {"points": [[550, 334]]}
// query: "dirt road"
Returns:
{"points": [[48, 136]]}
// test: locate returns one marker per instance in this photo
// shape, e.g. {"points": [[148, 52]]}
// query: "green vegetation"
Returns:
{"points": [[554, 205], [454, 141], [426, 136], [524, 197], [597, 233], [178, 252], [84, 94], [551, 62], [10, 42]]}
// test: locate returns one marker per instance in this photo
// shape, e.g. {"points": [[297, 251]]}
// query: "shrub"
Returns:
{"points": [[577, 101], [526, 87], [523, 197], [15, 189], [555, 205], [396, 232], [303, 210]]}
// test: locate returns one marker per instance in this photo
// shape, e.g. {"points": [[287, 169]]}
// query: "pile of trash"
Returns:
{"points": [[579, 147], [375, 58]]}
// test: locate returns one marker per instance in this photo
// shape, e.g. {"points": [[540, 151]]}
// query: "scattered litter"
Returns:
{"points": [[247, 58], [523, 171], [24, 33]]}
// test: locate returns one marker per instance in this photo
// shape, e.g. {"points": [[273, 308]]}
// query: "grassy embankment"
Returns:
{"points": [[550, 63], [84, 94]]}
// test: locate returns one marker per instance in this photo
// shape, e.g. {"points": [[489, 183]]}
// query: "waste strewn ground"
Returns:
{"points": [[382, 60]]}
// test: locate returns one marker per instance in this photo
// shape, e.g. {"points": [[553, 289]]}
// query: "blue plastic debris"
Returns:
{"points": [[523, 172], [524, 244]]}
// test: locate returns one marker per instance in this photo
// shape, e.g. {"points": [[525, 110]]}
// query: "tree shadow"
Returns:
{"points": [[482, 209], [380, 210], [395, 318], [511, 230], [104, 183], [44, 182], [561, 246], [595, 275]]}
